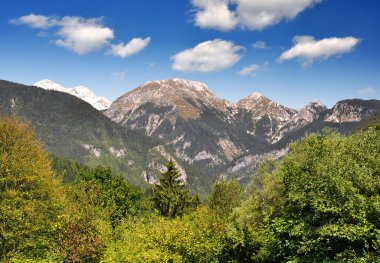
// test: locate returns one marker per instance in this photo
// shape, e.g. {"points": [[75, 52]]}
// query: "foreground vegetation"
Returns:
{"points": [[321, 203]]}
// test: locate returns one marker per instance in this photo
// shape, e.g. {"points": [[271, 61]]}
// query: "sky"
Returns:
{"points": [[292, 51]]}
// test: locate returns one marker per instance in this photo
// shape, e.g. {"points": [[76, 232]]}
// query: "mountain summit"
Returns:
{"points": [[210, 133], [82, 92]]}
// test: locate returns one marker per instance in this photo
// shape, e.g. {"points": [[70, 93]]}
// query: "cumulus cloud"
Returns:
{"points": [[306, 49], [83, 35], [260, 45], [132, 47], [214, 14], [77, 34], [253, 69], [251, 14], [35, 21], [367, 91], [209, 56]]}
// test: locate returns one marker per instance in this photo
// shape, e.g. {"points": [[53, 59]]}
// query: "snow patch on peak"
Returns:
{"points": [[199, 86], [183, 83], [81, 92], [50, 85], [256, 95]]}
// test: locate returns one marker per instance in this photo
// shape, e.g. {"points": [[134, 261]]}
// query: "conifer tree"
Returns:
{"points": [[171, 198]]}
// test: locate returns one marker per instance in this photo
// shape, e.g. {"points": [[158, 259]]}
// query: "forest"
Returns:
{"points": [[320, 203]]}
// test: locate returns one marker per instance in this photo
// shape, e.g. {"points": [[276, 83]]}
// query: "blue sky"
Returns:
{"points": [[292, 51]]}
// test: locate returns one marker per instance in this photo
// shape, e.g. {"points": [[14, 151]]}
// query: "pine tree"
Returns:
{"points": [[171, 198]]}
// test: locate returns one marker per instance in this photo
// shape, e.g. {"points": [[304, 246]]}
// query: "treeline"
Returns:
{"points": [[321, 203]]}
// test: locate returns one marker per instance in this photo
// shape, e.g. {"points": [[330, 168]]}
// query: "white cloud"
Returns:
{"points": [[250, 70], [213, 55], [214, 14], [254, 69], [77, 34], [368, 91], [83, 35], [251, 14], [35, 21], [260, 45], [307, 49], [119, 75], [132, 47]]}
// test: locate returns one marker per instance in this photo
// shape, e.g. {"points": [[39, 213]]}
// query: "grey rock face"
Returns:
{"points": [[221, 137]]}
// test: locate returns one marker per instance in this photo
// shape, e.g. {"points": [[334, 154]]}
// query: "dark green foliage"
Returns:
{"points": [[170, 197], [115, 195], [225, 196], [65, 124], [320, 204], [66, 168]]}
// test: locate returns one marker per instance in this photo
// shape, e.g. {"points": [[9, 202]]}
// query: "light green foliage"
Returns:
{"points": [[170, 197], [225, 195], [30, 197], [196, 237]]}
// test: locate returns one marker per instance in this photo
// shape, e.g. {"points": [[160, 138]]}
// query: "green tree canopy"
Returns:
{"points": [[30, 197], [115, 195], [225, 195], [320, 204], [170, 197]]}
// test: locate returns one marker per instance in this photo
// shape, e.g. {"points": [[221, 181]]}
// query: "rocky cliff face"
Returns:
{"points": [[351, 111], [221, 137], [189, 117]]}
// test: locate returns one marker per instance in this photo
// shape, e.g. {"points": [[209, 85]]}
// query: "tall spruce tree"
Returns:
{"points": [[171, 198]]}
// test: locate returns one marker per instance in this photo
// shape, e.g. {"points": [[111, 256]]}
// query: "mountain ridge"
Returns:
{"points": [[215, 132]]}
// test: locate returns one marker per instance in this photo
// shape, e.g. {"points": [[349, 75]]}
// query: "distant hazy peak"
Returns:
{"points": [[82, 92]]}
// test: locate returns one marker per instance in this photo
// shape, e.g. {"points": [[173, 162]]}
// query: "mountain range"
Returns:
{"points": [[177, 119]]}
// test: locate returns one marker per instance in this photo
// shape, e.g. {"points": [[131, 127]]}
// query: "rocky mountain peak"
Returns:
{"points": [[174, 86], [311, 111], [256, 96], [260, 106], [81, 92], [185, 97], [317, 103]]}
